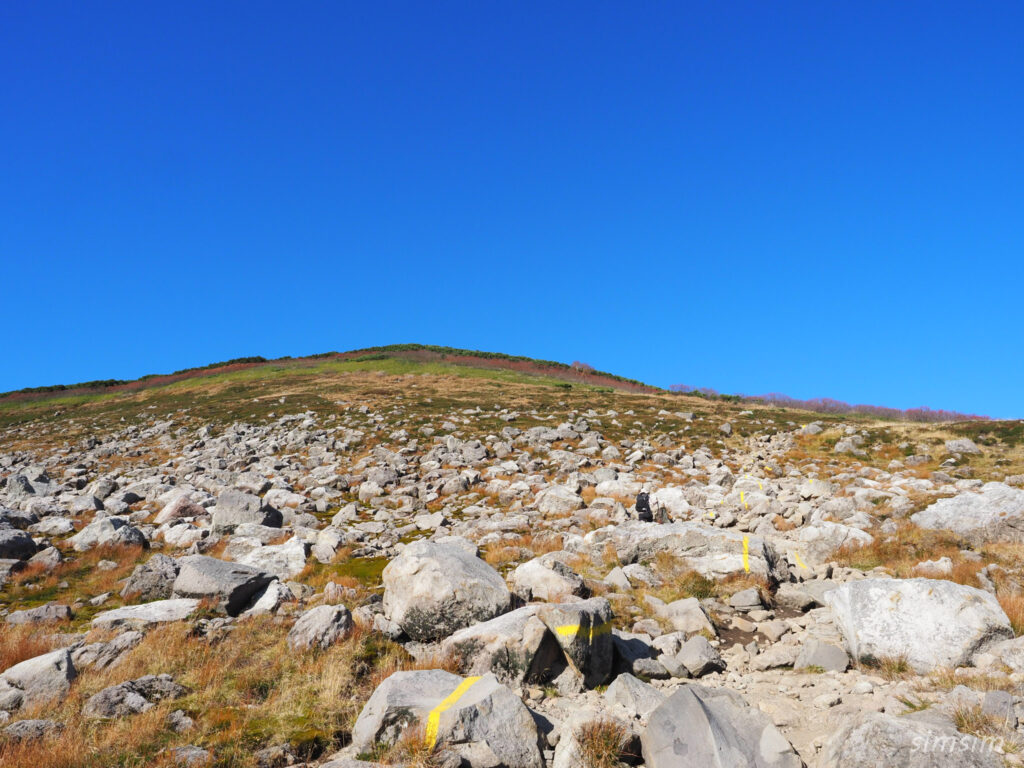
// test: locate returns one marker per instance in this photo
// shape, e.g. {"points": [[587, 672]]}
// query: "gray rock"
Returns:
{"points": [[286, 561], [474, 713], [584, 631], [39, 680], [873, 739], [698, 727], [963, 445], [132, 697], [995, 512], [41, 615], [16, 545], [816, 653], [712, 552], [516, 647], [179, 507], [699, 657], [190, 755], [147, 614], [746, 600], [107, 532], [999, 704], [320, 627], [932, 623], [432, 590], [558, 500], [101, 655], [635, 696], [547, 578], [233, 585], [32, 730], [271, 599], [152, 580], [234, 508]]}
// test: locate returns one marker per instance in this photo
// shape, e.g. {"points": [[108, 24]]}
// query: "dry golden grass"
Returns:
{"points": [[888, 667], [18, 643], [946, 679], [1013, 605], [247, 691], [523, 547], [601, 743]]}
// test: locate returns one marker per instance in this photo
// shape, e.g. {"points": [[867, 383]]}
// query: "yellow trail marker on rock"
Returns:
{"points": [[434, 718], [567, 630], [746, 554], [796, 556]]}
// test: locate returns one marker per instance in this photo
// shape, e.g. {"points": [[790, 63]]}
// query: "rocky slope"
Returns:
{"points": [[356, 564]]}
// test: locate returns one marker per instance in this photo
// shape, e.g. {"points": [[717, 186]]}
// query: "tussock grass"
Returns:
{"points": [[601, 743], [888, 667]]}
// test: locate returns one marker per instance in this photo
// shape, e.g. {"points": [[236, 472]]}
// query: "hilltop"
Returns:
{"points": [[432, 557]]}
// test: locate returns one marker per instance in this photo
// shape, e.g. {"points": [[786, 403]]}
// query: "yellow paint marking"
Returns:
{"points": [[567, 630], [746, 554], [434, 718], [744, 501], [796, 556]]}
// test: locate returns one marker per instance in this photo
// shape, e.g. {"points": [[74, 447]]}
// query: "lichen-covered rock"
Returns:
{"points": [[432, 590], [516, 647], [932, 623], [995, 512]]}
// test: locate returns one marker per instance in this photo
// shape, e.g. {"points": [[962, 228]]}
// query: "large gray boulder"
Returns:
{"points": [[132, 697], [475, 716], [963, 445], [320, 627], [235, 508], [101, 655], [152, 580], [932, 623], [516, 647], [713, 552], [819, 541], [42, 614], [634, 695], [16, 545], [108, 532], [699, 657], [146, 614], [996, 511], [558, 500], [432, 590], [873, 739], [39, 680], [286, 561], [817, 654], [697, 727], [546, 578], [232, 585], [584, 631]]}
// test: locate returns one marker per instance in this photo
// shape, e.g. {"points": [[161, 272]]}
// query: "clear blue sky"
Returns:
{"points": [[793, 197]]}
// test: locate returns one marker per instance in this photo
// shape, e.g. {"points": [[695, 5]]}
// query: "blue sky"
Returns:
{"points": [[791, 197]]}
